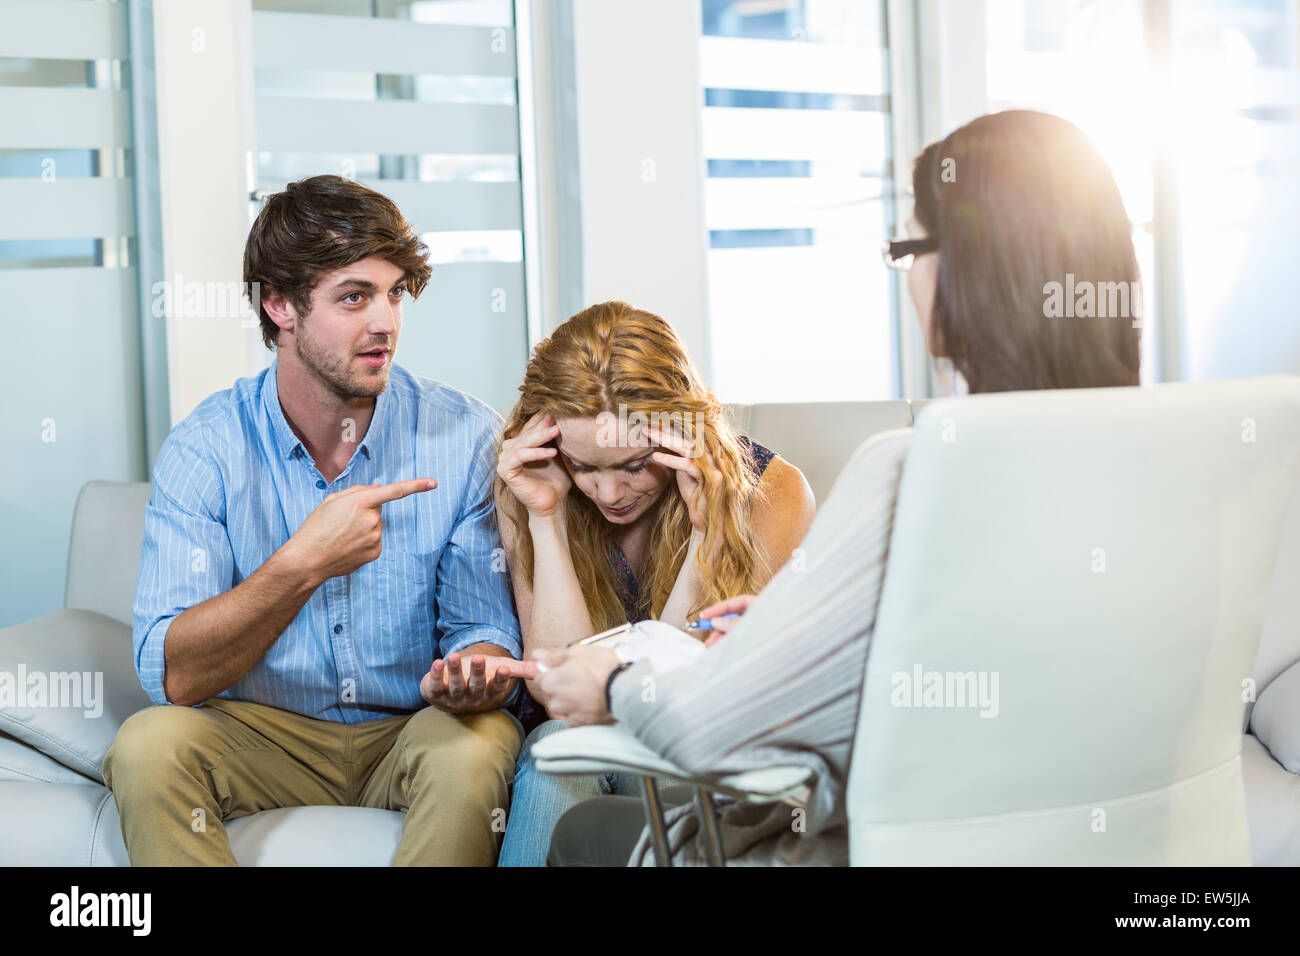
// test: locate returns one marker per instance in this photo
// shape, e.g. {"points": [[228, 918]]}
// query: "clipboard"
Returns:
{"points": [[666, 646]]}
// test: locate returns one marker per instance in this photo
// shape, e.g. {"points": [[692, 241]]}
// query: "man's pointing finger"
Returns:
{"points": [[399, 489]]}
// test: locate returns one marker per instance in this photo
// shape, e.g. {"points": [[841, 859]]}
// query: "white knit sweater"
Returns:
{"points": [[783, 686]]}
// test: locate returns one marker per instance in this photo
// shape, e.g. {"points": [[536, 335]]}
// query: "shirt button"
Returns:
{"points": [[338, 628], [320, 483]]}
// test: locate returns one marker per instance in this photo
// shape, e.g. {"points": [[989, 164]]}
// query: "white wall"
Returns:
{"points": [[639, 100], [953, 41], [205, 134]]}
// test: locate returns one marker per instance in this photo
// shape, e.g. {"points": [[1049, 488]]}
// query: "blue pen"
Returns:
{"points": [[706, 623]]}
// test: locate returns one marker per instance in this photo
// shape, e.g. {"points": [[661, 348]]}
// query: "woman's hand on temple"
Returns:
{"points": [[690, 480], [534, 473]]}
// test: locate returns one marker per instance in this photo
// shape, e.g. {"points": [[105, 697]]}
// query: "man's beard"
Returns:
{"points": [[335, 371]]}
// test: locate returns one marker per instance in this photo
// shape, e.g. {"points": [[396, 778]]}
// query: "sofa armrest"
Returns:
{"points": [[1275, 719], [54, 824], [67, 683]]}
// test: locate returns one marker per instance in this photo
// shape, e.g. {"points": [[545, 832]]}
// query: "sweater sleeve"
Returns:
{"points": [[783, 686]]}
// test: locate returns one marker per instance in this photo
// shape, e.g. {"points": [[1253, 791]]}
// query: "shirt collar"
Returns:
{"points": [[288, 443], [285, 440], [375, 433]]}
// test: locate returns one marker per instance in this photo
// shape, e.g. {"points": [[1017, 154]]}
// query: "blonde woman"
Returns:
{"points": [[622, 493]]}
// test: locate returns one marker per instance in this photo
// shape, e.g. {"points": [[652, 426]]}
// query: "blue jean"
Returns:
{"points": [[540, 799]]}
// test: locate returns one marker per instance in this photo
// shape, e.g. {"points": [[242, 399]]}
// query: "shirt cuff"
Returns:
{"points": [[151, 665], [481, 634], [627, 703]]}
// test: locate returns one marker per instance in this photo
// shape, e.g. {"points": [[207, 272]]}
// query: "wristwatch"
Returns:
{"points": [[609, 684]]}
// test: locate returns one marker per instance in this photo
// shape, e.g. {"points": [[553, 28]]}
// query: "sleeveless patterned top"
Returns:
{"points": [[629, 590]]}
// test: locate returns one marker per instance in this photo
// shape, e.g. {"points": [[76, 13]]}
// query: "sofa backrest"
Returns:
{"points": [[108, 525], [104, 555], [818, 437]]}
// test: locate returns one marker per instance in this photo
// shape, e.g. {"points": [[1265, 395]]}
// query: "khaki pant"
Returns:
{"points": [[451, 775]]}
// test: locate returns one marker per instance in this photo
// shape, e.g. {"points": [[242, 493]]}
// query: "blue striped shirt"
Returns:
{"points": [[232, 482]]}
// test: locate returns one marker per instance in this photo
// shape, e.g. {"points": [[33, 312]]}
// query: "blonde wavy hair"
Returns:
{"points": [[609, 355]]}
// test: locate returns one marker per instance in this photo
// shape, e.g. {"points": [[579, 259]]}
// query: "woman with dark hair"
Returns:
{"points": [[1013, 203], [1008, 208]]}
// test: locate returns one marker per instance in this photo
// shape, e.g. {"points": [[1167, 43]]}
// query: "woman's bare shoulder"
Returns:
{"points": [[784, 488]]}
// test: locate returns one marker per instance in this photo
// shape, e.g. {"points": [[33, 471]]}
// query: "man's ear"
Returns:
{"points": [[280, 309]]}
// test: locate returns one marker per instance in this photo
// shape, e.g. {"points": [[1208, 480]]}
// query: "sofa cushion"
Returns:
{"points": [[49, 824], [67, 683], [54, 824], [20, 762], [1276, 718], [316, 836]]}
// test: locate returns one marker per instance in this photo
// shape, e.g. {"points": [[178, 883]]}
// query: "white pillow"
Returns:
{"points": [[1276, 718], [72, 719]]}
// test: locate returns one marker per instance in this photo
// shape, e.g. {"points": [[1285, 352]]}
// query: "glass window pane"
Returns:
{"points": [[1085, 60], [68, 221], [417, 100], [1236, 66], [1228, 98], [798, 198]]}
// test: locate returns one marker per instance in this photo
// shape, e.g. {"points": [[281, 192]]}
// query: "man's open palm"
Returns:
{"points": [[477, 682]]}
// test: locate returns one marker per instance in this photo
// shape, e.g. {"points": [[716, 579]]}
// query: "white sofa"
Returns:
{"points": [[54, 809]]}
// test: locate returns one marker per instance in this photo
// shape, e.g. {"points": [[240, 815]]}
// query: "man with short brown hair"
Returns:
{"points": [[319, 595]]}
